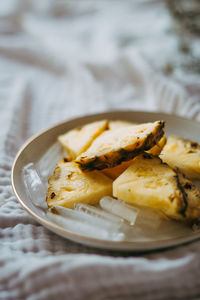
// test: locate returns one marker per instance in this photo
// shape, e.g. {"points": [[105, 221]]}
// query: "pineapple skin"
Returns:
{"points": [[112, 157]]}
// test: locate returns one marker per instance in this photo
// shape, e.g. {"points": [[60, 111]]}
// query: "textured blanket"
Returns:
{"points": [[62, 59]]}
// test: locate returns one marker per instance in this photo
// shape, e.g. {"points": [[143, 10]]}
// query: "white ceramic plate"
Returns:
{"points": [[36, 148]]}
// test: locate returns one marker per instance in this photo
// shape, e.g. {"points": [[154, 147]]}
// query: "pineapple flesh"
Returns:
{"points": [[79, 139], [151, 183], [69, 185], [184, 155], [118, 170], [122, 144]]}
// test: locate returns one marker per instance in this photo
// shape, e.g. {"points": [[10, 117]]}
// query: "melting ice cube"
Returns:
{"points": [[48, 161], [87, 218], [79, 224], [98, 213], [34, 186], [119, 208]]}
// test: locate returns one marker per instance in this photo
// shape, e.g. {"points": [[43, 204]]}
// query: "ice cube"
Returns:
{"points": [[87, 218], [84, 228], [148, 218], [98, 213], [119, 208], [34, 186], [48, 161]]}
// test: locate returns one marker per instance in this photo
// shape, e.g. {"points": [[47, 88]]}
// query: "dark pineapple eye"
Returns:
{"points": [[53, 195], [188, 186], [194, 145]]}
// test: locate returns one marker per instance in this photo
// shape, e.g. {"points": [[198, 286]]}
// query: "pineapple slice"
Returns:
{"points": [[122, 144], [182, 154], [69, 185], [119, 169], [79, 139], [150, 183]]}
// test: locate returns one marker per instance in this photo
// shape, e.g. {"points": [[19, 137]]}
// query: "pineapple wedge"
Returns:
{"points": [[79, 139], [119, 169], [122, 144], [184, 155], [69, 185], [150, 183]]}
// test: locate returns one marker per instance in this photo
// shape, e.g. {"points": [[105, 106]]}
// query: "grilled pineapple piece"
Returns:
{"points": [[69, 185], [119, 169], [151, 183], [114, 124], [122, 144], [79, 139], [182, 154]]}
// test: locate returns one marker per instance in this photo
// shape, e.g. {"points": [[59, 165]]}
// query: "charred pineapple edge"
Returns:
{"points": [[104, 161], [188, 213]]}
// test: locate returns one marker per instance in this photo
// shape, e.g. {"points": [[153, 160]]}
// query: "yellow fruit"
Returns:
{"points": [[122, 144], [182, 154], [69, 185], [79, 139], [118, 170], [150, 183]]}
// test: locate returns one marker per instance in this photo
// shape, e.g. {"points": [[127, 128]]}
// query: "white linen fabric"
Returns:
{"points": [[58, 60]]}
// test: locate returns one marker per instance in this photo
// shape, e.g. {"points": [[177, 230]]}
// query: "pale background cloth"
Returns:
{"points": [[61, 59]]}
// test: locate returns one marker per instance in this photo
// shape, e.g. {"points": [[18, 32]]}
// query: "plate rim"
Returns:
{"points": [[93, 242]]}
